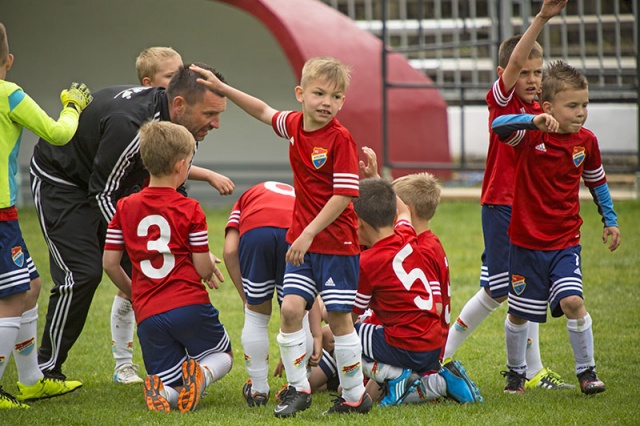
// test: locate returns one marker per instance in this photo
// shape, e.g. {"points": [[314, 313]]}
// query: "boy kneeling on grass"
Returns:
{"points": [[184, 345]]}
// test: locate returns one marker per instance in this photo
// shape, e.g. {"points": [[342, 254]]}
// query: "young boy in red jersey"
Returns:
{"points": [[544, 258], [154, 66], [19, 280], [184, 345], [405, 341], [324, 252], [421, 194], [255, 247], [515, 91]]}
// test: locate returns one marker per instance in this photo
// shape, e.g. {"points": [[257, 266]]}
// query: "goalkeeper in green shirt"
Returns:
{"points": [[19, 280]]}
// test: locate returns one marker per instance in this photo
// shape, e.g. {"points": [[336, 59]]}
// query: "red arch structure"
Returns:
{"points": [[417, 118]]}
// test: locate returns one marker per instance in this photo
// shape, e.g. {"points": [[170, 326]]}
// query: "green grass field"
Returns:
{"points": [[612, 298]]}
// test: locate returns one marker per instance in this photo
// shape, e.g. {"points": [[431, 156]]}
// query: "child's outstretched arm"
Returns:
{"points": [[505, 125], [520, 54], [251, 105]]}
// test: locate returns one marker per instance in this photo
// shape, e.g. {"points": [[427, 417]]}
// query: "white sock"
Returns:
{"points": [[255, 342], [380, 372], [516, 340], [434, 384], [348, 355], [9, 328], [581, 338], [534, 362], [473, 313], [309, 339], [25, 349], [172, 396], [123, 323], [216, 366], [293, 352]]}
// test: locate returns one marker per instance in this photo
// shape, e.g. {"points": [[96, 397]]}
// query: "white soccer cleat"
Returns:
{"points": [[127, 374]]}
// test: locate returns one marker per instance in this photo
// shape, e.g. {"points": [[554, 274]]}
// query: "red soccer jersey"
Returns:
{"points": [[264, 204], [432, 248], [497, 185], [160, 228], [324, 163], [546, 207], [395, 284]]}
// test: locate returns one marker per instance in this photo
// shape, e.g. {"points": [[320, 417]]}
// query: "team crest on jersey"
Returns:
{"points": [[578, 155], [319, 157], [518, 283], [17, 255]]}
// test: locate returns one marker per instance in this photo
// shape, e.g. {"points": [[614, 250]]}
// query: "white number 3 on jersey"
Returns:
{"points": [[161, 245]]}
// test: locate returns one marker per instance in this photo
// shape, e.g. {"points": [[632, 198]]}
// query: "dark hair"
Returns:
{"points": [[376, 204], [183, 83]]}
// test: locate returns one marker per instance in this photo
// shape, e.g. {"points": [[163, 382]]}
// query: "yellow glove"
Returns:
{"points": [[78, 96]]}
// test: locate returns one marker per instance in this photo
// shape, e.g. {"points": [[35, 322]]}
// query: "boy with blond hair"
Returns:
{"points": [[19, 280], [514, 92], [324, 250], [544, 258], [184, 345], [156, 65]]}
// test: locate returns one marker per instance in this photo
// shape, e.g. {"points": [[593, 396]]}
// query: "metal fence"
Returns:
{"points": [[455, 43]]}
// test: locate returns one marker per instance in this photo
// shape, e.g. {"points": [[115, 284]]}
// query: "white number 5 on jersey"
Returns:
{"points": [[407, 279]]}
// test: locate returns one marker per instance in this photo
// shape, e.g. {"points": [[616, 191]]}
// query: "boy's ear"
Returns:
{"points": [[546, 107], [298, 92], [500, 71], [146, 81], [9, 62]]}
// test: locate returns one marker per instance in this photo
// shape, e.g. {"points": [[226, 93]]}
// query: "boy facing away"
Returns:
{"points": [[544, 258], [155, 66], [324, 251], [255, 247], [19, 280], [402, 346], [515, 91], [184, 346]]}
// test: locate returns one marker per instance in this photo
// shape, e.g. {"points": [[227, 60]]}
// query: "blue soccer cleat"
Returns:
{"points": [[399, 388], [459, 386]]}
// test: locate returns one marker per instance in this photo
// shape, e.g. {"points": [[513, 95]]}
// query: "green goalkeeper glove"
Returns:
{"points": [[78, 96]]}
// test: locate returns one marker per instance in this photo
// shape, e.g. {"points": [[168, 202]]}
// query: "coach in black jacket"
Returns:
{"points": [[75, 188]]}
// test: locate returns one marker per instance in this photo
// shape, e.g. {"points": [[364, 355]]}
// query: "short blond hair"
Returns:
{"points": [[560, 76], [328, 69], [148, 60], [420, 191], [4, 45], [162, 143]]}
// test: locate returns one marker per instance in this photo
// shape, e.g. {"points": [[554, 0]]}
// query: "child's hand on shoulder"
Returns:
{"points": [[546, 123]]}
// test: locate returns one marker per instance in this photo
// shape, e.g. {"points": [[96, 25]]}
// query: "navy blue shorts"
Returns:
{"points": [[334, 277], [495, 258], [376, 348], [542, 278], [262, 254], [16, 266], [167, 339]]}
